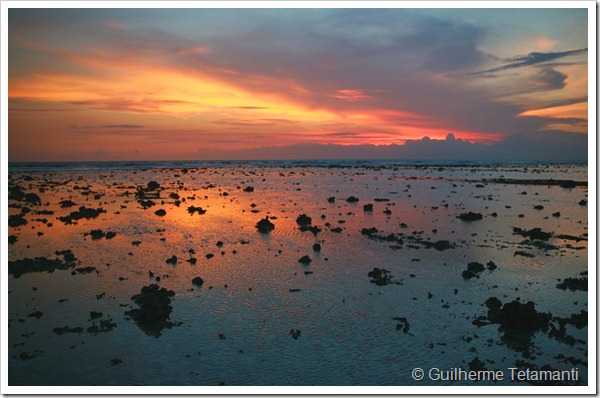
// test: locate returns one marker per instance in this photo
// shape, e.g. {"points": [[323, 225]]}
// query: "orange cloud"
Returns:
{"points": [[195, 50], [578, 110], [223, 101]]}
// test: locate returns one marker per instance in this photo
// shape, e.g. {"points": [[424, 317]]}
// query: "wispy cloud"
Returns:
{"points": [[107, 126], [533, 58], [130, 105], [351, 95]]}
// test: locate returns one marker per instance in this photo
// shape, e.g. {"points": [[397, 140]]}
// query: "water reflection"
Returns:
{"points": [[256, 290]]}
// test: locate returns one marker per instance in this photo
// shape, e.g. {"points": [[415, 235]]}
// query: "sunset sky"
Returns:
{"points": [[117, 84]]}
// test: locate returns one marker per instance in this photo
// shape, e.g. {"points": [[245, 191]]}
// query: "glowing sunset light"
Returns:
{"points": [[239, 79], [578, 110]]}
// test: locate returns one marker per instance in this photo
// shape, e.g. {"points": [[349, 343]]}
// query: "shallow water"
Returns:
{"points": [[235, 329]]}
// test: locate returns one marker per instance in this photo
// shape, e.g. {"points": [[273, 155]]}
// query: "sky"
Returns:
{"points": [[150, 84]]}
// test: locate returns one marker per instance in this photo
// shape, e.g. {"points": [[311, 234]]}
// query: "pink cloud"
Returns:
{"points": [[351, 95]]}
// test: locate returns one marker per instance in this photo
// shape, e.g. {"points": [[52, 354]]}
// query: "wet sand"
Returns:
{"points": [[295, 275]]}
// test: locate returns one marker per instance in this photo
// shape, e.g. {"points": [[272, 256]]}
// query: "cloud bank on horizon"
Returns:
{"points": [[102, 84]]}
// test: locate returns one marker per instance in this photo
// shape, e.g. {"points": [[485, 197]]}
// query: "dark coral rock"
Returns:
{"points": [[535, 233], [25, 356], [579, 320], [303, 220], [574, 284], [83, 212], [369, 231], [466, 274], [96, 234], [16, 220], [84, 270], [310, 228], [41, 264], [95, 315], [520, 317], [518, 322], [368, 207], [36, 314], [16, 193], [198, 281], [352, 199], [32, 198], [146, 203], [160, 212], [194, 209], [493, 303], [380, 276], [441, 245], [68, 255], [470, 216], [152, 186], [475, 267], [402, 324], [155, 309], [265, 226], [316, 247], [305, 260], [66, 329], [103, 326]]}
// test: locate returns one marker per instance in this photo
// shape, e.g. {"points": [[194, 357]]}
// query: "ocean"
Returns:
{"points": [[392, 273]]}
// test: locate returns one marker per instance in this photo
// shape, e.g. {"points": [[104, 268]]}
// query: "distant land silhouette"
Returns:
{"points": [[516, 147]]}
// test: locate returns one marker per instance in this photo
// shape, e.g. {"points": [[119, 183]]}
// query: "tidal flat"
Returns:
{"points": [[287, 274]]}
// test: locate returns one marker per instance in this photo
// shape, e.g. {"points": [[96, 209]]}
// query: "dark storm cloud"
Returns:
{"points": [[549, 79]]}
